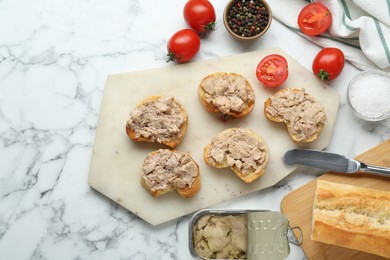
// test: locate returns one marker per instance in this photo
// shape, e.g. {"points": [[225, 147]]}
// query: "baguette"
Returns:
{"points": [[166, 170], [303, 115], [241, 149], [352, 217], [227, 93], [158, 119]]}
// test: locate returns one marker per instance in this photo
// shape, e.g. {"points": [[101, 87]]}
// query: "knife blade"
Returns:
{"points": [[331, 161]]}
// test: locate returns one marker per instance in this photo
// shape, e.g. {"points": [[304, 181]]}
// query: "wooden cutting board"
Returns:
{"points": [[297, 205], [116, 162]]}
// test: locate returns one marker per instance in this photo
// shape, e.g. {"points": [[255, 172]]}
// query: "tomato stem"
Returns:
{"points": [[207, 29], [210, 26], [323, 75], [172, 56]]}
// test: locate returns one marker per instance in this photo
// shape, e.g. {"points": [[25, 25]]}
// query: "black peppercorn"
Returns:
{"points": [[248, 18]]}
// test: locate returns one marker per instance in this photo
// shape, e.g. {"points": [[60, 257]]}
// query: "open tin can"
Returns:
{"points": [[241, 234]]}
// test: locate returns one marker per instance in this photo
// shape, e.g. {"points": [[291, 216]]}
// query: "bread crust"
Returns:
{"points": [[249, 177], [172, 143], [248, 105], [280, 119], [186, 192], [352, 217]]}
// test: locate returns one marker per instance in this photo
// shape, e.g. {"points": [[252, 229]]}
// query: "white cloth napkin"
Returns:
{"points": [[360, 28]]}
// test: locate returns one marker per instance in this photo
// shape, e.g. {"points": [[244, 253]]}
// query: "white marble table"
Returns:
{"points": [[54, 60]]}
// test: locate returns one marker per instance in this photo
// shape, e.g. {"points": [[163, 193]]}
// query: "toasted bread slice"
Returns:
{"points": [[158, 119], [227, 93], [241, 149], [303, 115], [166, 170]]}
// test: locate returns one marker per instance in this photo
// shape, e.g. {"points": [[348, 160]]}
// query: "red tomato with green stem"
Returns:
{"points": [[328, 63], [200, 15], [183, 46], [314, 19], [272, 70]]}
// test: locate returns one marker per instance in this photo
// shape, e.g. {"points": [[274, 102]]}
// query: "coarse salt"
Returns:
{"points": [[369, 95]]}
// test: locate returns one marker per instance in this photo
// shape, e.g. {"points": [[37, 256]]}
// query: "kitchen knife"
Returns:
{"points": [[331, 161]]}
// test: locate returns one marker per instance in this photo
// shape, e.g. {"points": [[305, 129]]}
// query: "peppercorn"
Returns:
{"points": [[248, 18]]}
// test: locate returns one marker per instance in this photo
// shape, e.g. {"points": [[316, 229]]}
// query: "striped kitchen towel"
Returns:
{"points": [[360, 28]]}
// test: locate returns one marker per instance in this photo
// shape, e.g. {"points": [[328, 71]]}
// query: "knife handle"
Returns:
{"points": [[375, 169]]}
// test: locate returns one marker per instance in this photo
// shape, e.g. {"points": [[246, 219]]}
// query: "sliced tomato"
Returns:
{"points": [[272, 70], [314, 19]]}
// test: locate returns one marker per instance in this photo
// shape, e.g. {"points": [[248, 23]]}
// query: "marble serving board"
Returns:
{"points": [[117, 161]]}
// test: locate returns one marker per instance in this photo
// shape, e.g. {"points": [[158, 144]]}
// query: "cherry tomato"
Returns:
{"points": [[200, 15], [314, 19], [328, 63], [183, 46], [272, 70]]}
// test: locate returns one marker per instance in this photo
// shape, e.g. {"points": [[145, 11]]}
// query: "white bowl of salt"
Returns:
{"points": [[368, 95]]}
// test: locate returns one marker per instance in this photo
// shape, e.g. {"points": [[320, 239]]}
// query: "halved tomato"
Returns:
{"points": [[272, 70], [314, 19]]}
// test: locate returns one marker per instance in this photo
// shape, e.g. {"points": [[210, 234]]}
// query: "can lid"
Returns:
{"points": [[267, 235]]}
